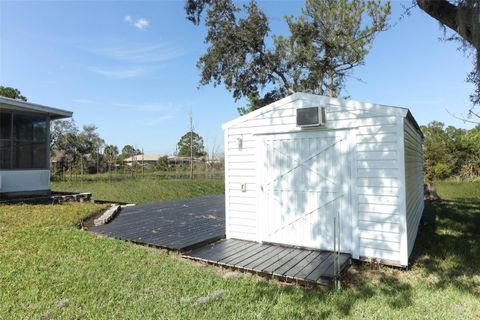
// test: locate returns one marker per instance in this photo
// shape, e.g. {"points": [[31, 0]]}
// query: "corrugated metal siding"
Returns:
{"points": [[413, 182], [377, 185]]}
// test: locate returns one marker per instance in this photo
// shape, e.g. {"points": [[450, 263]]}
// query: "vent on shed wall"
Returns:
{"points": [[311, 117]]}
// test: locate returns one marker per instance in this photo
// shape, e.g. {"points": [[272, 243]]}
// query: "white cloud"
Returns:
{"points": [[143, 54], [142, 24], [124, 73]]}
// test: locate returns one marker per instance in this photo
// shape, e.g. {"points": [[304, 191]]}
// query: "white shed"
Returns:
{"points": [[287, 175]]}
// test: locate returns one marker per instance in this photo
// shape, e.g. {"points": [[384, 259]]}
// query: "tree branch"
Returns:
{"points": [[461, 118], [448, 13]]}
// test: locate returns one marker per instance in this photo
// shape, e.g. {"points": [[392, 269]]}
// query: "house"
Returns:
{"points": [[147, 160], [24, 147], [298, 166]]}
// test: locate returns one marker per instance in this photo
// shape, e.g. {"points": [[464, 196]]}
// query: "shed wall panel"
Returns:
{"points": [[376, 164], [413, 182]]}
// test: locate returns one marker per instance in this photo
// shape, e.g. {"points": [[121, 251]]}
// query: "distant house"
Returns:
{"points": [[149, 160], [180, 160], [24, 147]]}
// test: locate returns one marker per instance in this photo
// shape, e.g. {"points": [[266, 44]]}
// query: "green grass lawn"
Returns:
{"points": [[49, 269], [138, 190]]}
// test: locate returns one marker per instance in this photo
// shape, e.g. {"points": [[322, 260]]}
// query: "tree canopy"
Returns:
{"points": [[451, 152], [194, 140], [89, 140], [110, 153], [326, 42], [12, 93], [162, 163], [128, 151], [65, 137]]}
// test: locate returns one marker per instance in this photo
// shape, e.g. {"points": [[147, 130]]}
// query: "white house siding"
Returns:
{"points": [[413, 181], [376, 201], [24, 180]]}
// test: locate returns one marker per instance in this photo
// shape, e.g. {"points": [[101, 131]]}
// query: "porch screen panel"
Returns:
{"points": [[23, 140]]}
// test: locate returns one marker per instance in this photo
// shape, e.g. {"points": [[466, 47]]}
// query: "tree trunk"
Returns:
{"points": [[331, 86], [430, 192]]}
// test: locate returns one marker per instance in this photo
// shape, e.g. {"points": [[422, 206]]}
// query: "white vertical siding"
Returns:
{"points": [[377, 193], [413, 181]]}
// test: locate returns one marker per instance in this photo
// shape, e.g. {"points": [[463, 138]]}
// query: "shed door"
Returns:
{"points": [[304, 180]]}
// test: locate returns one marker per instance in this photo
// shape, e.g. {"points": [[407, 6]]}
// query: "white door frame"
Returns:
{"points": [[347, 206]]}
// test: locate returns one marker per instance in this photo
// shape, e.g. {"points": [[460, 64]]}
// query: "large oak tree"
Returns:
{"points": [[325, 43]]}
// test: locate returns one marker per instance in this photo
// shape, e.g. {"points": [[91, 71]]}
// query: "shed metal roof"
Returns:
{"points": [[54, 113]]}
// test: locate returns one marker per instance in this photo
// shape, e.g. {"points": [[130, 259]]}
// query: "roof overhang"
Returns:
{"points": [[53, 113]]}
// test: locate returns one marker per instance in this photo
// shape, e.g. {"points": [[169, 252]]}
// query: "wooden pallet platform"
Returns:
{"points": [[177, 225], [287, 263]]}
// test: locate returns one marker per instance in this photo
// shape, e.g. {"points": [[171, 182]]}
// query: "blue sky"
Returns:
{"points": [[129, 68]]}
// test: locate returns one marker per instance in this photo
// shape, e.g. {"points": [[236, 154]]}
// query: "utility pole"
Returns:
{"points": [[143, 165], [98, 159], [132, 163], [191, 146]]}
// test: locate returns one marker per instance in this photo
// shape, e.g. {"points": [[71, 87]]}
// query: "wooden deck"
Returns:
{"points": [[193, 226], [286, 263], [178, 225]]}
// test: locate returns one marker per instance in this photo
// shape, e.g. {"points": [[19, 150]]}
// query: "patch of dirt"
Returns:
{"points": [[232, 275], [88, 222], [210, 297]]}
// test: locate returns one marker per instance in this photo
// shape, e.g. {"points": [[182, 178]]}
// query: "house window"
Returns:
{"points": [[23, 141]]}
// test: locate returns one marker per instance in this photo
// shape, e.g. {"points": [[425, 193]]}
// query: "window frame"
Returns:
{"points": [[13, 140]]}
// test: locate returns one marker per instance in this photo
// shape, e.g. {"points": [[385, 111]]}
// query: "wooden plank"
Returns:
{"points": [[282, 270], [228, 252], [314, 263], [266, 260], [234, 254], [238, 261], [183, 235], [302, 264], [342, 261], [281, 261], [319, 271], [254, 258], [216, 251]]}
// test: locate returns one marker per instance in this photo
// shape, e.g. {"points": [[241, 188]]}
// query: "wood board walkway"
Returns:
{"points": [[286, 263], [178, 225]]}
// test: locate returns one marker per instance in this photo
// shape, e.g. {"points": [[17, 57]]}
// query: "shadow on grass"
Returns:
{"points": [[446, 253], [448, 244], [323, 303]]}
